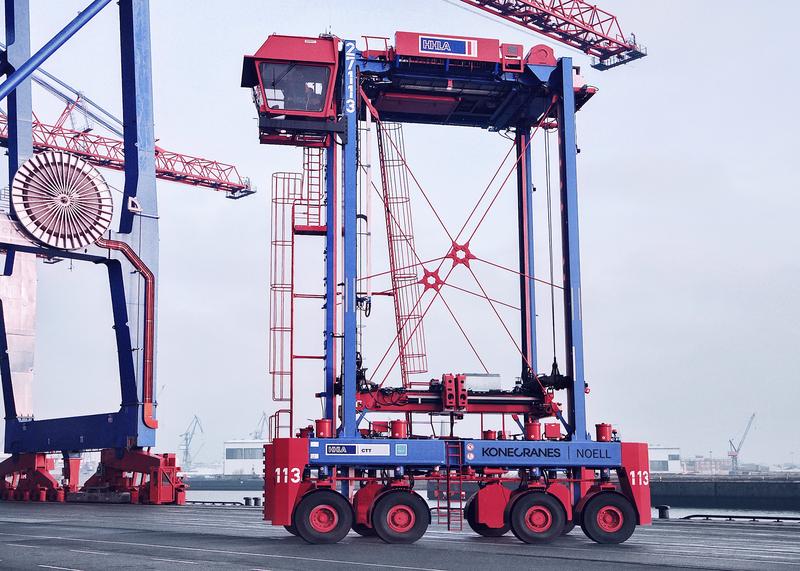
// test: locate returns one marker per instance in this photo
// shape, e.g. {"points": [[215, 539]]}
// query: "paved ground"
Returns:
{"points": [[100, 537]]}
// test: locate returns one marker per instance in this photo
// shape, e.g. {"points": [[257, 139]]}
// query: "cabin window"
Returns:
{"points": [[294, 86]]}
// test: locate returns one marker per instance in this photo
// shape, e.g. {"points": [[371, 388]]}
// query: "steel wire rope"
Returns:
{"points": [[398, 335], [547, 160]]}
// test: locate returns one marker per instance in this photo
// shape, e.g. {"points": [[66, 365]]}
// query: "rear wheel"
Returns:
{"points": [[400, 517], [537, 517], [323, 516], [568, 527], [471, 515], [608, 518], [291, 529]]}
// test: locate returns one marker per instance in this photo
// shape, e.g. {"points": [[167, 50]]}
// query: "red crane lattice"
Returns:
{"points": [[576, 23], [109, 153]]}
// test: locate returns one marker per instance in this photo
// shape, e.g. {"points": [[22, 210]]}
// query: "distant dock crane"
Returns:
{"points": [[187, 457], [734, 451]]}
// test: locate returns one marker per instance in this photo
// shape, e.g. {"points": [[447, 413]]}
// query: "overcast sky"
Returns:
{"points": [[689, 205]]}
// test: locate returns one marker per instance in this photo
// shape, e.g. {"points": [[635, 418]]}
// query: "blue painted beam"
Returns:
{"points": [[20, 109], [23, 71], [349, 426], [573, 312], [139, 229], [332, 234], [526, 247]]}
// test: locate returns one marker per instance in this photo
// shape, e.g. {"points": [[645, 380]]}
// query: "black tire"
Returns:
{"points": [[608, 518], [568, 527], [291, 529], [537, 517], [323, 516], [363, 530], [400, 517], [470, 514]]}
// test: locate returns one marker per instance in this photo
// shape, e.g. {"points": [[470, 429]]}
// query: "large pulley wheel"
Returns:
{"points": [[608, 517], [323, 516], [471, 515], [61, 200], [537, 517], [400, 517]]}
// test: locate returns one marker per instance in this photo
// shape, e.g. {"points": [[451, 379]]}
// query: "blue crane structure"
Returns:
{"points": [[130, 257]]}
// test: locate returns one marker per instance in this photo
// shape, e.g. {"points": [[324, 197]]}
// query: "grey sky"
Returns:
{"points": [[689, 208]]}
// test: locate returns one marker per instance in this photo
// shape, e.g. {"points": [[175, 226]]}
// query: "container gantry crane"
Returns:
{"points": [[62, 208], [352, 469], [735, 449]]}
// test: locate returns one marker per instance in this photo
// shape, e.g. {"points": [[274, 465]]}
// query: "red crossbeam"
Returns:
{"points": [[109, 153]]}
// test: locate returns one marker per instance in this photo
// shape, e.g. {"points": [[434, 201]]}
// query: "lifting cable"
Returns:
{"points": [[550, 237], [441, 262]]}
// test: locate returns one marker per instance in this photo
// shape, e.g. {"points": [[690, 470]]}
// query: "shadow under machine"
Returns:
{"points": [[542, 471]]}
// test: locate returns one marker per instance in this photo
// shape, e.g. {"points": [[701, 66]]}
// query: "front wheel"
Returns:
{"points": [[323, 516], [608, 518], [537, 517], [400, 517]]}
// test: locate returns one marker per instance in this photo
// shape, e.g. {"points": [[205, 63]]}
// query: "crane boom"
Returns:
{"points": [[575, 23], [746, 431]]}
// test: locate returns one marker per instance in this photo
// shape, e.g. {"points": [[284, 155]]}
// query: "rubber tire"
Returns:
{"points": [[589, 518], [334, 499], [481, 528], [291, 529], [422, 516], [364, 531], [520, 508], [568, 527]]}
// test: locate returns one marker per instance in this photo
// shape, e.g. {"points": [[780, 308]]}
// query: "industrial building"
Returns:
{"points": [[243, 458]]}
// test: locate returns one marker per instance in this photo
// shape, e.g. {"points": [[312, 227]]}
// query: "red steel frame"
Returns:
{"points": [[406, 284], [298, 204], [575, 23]]}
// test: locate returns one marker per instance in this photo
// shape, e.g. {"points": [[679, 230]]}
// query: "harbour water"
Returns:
{"points": [[675, 513]]}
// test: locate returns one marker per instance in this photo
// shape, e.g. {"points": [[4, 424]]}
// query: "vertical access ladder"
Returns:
{"points": [[298, 202]]}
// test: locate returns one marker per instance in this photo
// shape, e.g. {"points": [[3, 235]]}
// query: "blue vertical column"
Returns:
{"points": [[20, 110], [20, 148], [570, 244], [138, 223], [350, 253], [331, 276], [526, 255]]}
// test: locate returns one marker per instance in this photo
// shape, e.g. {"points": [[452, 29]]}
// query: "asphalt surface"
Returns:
{"points": [[99, 537]]}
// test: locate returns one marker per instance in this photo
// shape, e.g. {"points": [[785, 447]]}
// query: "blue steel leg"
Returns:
{"points": [[349, 223], [526, 256], [18, 51], [140, 174], [26, 68], [573, 319], [331, 278], [9, 403], [20, 148]]}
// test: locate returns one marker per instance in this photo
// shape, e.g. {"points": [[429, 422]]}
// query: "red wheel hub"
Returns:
{"points": [[401, 519], [610, 519], [538, 519], [323, 518]]}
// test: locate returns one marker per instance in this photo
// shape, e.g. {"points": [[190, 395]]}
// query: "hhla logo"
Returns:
{"points": [[448, 46], [429, 44]]}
